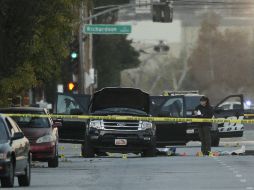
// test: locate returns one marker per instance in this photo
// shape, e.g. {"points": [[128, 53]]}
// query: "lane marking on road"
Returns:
{"points": [[237, 175]]}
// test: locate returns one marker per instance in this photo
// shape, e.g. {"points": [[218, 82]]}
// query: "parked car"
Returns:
{"points": [[42, 133], [15, 157], [182, 104], [234, 105], [119, 136]]}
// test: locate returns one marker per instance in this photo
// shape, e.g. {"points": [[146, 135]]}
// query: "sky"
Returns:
{"points": [[149, 31]]}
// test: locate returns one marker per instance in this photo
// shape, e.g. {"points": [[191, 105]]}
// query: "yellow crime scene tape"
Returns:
{"points": [[138, 118], [249, 115]]}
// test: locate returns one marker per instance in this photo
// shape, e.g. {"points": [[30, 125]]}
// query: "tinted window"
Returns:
{"points": [[237, 106], [70, 104], [192, 102], [226, 107], [174, 107], [155, 104], [14, 125], [11, 129], [3, 132]]}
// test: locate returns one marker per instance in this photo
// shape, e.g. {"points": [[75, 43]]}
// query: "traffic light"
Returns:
{"points": [[161, 47], [162, 11], [74, 55], [72, 86]]}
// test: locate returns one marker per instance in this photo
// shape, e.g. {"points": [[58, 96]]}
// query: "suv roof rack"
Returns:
{"points": [[173, 93]]}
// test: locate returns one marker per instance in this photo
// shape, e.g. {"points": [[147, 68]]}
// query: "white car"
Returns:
{"points": [[234, 105]]}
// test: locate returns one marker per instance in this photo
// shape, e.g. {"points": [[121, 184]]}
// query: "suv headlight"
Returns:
{"points": [[45, 139], [147, 125], [95, 124], [3, 156]]}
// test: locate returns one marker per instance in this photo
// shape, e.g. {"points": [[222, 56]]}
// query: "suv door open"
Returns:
{"points": [[72, 130], [227, 130], [168, 133]]}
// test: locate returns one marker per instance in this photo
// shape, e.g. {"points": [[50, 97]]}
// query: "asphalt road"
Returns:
{"points": [[161, 173]]}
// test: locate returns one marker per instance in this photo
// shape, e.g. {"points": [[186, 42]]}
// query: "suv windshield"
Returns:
{"points": [[3, 132], [192, 102], [129, 111]]}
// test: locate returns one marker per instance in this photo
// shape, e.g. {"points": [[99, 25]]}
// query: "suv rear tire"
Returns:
{"points": [[87, 151]]}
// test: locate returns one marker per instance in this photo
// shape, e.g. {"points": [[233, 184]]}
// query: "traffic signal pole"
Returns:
{"points": [[87, 38], [82, 51], [125, 6]]}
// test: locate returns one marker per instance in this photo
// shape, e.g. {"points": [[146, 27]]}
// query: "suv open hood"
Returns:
{"points": [[120, 97]]}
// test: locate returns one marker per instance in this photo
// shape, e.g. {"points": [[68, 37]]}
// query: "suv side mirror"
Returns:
{"points": [[17, 136]]}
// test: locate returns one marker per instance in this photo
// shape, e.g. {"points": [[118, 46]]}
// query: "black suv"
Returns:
{"points": [[119, 136], [182, 104]]}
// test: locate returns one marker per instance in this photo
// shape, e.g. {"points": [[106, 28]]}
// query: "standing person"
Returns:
{"points": [[204, 110]]}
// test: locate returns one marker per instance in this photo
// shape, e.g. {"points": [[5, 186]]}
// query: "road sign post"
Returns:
{"points": [[105, 29]]}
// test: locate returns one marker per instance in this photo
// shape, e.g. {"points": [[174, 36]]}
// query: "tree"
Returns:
{"points": [[158, 72], [112, 53], [34, 38], [221, 63]]}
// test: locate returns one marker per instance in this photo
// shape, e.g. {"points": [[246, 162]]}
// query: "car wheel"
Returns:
{"points": [[87, 149], [9, 180], [83, 150], [24, 180], [101, 153], [54, 163], [151, 151]]}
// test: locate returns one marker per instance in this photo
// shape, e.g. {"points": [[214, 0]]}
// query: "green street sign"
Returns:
{"points": [[106, 29]]}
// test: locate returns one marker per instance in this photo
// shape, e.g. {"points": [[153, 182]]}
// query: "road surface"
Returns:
{"points": [[177, 172]]}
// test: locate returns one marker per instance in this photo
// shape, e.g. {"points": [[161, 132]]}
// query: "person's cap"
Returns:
{"points": [[204, 98]]}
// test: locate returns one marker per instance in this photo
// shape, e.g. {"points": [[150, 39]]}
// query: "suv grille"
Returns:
{"points": [[121, 125]]}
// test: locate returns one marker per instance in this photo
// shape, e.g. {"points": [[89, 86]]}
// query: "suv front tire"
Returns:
{"points": [[151, 151], [87, 151]]}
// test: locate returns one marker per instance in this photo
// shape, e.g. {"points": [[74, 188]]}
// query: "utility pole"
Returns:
{"points": [[81, 77], [86, 50], [86, 40]]}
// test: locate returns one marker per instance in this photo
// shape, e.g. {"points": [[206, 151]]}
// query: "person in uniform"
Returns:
{"points": [[204, 110]]}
